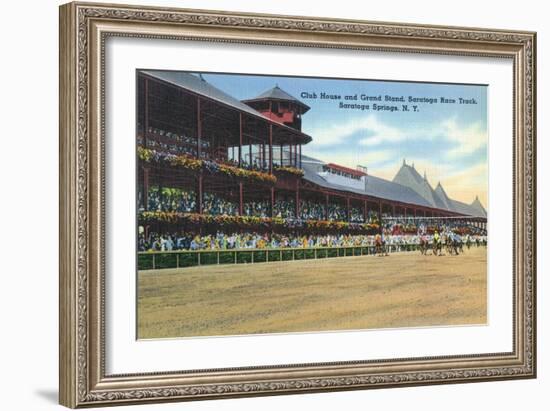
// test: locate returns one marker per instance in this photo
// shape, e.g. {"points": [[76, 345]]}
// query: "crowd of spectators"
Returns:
{"points": [[160, 139], [311, 210], [253, 240], [255, 164], [259, 208], [337, 212], [372, 216], [170, 199], [214, 204], [408, 225], [284, 208], [183, 144], [356, 215], [185, 201]]}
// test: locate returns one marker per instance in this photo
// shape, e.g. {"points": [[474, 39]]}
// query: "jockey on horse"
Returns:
{"points": [[424, 241], [378, 244], [424, 244], [437, 244]]}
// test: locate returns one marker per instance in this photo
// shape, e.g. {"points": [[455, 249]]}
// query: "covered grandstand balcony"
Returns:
{"points": [[208, 162], [182, 114]]}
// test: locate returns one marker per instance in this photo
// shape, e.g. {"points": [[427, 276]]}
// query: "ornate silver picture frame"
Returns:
{"points": [[85, 29]]}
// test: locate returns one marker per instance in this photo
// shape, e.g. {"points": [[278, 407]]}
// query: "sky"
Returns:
{"points": [[447, 140]]}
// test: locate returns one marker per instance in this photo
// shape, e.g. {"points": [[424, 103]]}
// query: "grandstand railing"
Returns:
{"points": [[151, 260]]}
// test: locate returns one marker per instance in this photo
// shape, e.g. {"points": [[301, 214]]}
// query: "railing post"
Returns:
{"points": [[154, 262], [199, 258], [177, 260]]}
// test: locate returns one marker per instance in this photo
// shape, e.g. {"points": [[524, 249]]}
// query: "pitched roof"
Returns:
{"points": [[395, 191], [198, 85], [476, 205], [277, 93], [409, 177], [463, 208], [375, 186], [442, 197]]}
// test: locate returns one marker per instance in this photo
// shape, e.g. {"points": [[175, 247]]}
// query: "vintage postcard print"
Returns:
{"points": [[271, 204]]}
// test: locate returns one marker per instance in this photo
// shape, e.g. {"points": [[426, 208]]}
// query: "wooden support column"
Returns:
{"points": [[348, 209], [146, 113], [297, 200], [240, 139], [365, 211], [199, 127], [199, 194], [241, 202], [290, 154], [250, 152], [393, 210], [146, 188], [380, 216], [271, 149], [281, 154], [272, 210], [326, 206], [300, 156], [295, 155]]}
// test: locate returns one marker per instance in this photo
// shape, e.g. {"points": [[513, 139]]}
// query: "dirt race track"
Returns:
{"points": [[401, 290]]}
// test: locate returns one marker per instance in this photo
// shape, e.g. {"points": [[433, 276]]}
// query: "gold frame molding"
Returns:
{"points": [[84, 27]]}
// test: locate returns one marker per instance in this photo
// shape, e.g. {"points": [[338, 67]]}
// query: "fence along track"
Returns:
{"points": [[151, 260]]}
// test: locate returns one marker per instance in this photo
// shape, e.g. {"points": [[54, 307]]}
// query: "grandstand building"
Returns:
{"points": [[202, 152]]}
